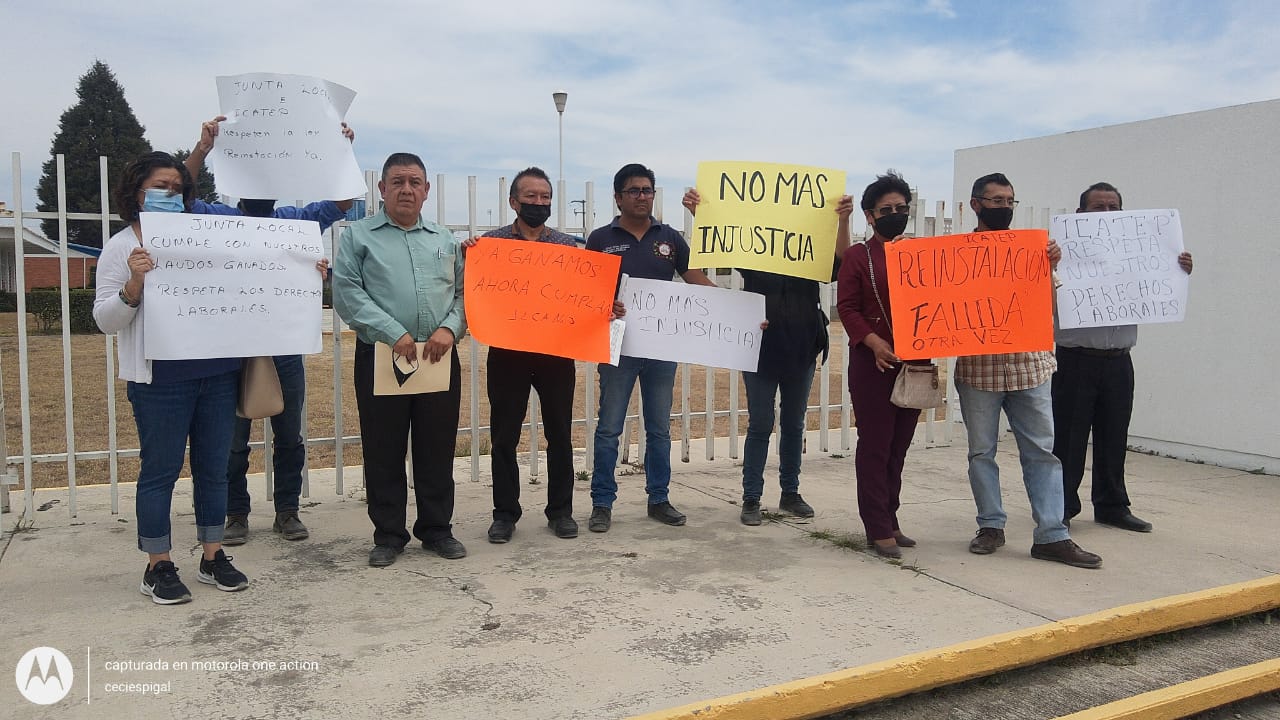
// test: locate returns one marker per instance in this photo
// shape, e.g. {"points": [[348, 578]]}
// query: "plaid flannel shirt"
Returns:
{"points": [[1006, 373]]}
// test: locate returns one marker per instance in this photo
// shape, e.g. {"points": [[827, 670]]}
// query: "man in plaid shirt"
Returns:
{"points": [[1018, 383]]}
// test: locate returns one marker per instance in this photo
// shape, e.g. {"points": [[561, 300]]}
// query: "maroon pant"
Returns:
{"points": [[884, 434]]}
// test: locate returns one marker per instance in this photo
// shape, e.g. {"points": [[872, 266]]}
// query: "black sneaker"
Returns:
{"points": [[794, 504], [221, 573], [664, 513], [237, 531], [750, 512], [161, 583], [601, 519], [287, 525], [564, 527]]}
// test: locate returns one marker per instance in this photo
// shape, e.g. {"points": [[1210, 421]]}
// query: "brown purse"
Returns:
{"points": [[260, 392]]}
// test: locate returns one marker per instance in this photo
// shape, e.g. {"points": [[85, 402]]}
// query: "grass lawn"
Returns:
{"points": [[89, 394]]}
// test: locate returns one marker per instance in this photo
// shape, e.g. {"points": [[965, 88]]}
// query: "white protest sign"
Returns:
{"points": [[693, 323], [283, 139], [230, 286], [1119, 268]]}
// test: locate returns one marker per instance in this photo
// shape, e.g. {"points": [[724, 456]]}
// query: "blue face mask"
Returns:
{"points": [[158, 200]]}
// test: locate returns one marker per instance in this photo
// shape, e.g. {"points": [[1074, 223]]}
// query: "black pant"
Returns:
{"points": [[511, 374], [387, 423], [1092, 393]]}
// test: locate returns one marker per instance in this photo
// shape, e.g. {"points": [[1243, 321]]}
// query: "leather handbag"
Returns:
{"points": [[260, 393], [918, 386]]}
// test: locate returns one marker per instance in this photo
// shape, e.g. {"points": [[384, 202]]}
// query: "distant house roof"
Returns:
{"points": [[34, 243]]}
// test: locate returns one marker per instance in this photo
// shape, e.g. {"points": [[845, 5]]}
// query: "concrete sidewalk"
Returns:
{"points": [[602, 626]]}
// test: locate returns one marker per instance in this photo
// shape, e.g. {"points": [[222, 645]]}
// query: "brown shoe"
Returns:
{"points": [[986, 541], [1066, 551], [903, 540]]}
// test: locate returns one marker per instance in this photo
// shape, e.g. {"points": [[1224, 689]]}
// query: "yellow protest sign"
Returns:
{"points": [[767, 216]]}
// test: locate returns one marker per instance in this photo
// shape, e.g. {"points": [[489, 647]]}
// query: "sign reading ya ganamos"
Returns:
{"points": [[541, 297], [981, 293], [767, 216]]}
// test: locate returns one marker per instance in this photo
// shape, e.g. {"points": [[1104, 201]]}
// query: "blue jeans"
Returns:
{"points": [[657, 379], [167, 415], [762, 389], [289, 453], [1030, 414]]}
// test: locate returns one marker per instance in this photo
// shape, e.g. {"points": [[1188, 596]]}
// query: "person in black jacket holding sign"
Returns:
{"points": [[795, 335]]}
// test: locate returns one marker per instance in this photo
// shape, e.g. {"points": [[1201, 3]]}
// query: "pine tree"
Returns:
{"points": [[206, 189], [100, 123]]}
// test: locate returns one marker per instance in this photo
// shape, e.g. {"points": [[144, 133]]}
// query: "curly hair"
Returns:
{"points": [[137, 172]]}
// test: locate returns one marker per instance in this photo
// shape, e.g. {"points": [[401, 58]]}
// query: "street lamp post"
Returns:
{"points": [[560, 97]]}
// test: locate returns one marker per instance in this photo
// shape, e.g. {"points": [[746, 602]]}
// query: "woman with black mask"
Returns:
{"points": [[884, 430]]}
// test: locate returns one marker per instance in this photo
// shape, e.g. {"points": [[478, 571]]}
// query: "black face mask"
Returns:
{"points": [[996, 218], [891, 226], [534, 216]]}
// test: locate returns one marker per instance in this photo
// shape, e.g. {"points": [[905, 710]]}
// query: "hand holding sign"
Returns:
{"points": [[284, 137], [983, 293], [1124, 267], [766, 216]]}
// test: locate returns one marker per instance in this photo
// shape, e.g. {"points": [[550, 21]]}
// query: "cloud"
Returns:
{"points": [[859, 86]]}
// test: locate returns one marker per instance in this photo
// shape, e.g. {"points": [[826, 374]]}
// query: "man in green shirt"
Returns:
{"points": [[398, 280]]}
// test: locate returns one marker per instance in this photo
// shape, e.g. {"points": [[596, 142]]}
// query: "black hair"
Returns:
{"points": [[980, 185], [1100, 187], [890, 182], [137, 172], [533, 172], [256, 207], [402, 158], [629, 171]]}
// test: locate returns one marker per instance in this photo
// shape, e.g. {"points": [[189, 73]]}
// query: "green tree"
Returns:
{"points": [[100, 123], [206, 190]]}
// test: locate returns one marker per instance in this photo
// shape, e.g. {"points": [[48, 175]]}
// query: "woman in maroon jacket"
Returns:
{"points": [[884, 430]]}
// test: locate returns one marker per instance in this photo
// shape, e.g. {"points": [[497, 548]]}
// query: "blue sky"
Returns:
{"points": [[857, 86]]}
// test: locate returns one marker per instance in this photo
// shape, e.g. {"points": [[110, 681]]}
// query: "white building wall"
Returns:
{"points": [[1207, 388]]}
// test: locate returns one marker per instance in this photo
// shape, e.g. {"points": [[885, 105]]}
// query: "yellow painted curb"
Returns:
{"points": [[1193, 696], [844, 689]]}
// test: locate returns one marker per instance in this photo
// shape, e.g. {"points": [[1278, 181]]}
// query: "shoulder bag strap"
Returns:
{"points": [[872, 269]]}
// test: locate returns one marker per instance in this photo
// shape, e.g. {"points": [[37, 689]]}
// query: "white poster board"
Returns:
{"points": [[282, 139], [698, 324], [230, 286], [1119, 268]]}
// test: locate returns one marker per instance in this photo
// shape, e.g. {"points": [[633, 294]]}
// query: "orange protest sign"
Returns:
{"points": [[541, 297], [982, 293]]}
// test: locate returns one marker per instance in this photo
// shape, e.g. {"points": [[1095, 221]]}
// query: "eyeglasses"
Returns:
{"points": [[636, 193], [887, 210], [998, 202]]}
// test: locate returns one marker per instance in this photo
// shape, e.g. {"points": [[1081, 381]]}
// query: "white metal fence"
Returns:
{"points": [[936, 431]]}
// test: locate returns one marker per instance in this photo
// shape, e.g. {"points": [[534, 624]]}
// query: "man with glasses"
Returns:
{"points": [[652, 250], [1093, 392], [1018, 383]]}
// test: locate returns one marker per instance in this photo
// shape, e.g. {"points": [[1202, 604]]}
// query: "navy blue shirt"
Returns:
{"points": [[164, 372], [660, 255]]}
